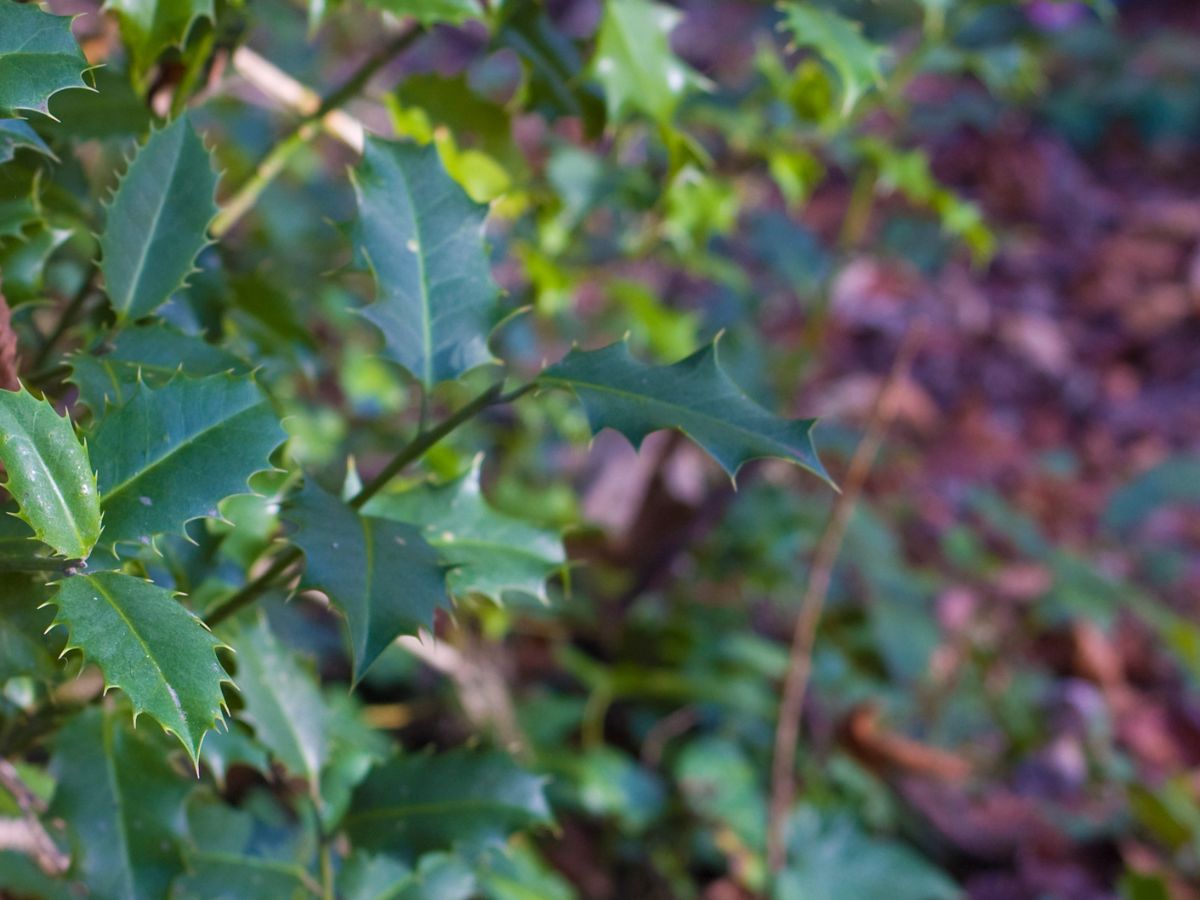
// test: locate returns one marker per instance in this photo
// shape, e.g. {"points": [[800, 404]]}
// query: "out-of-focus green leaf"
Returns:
{"points": [[423, 802], [171, 454], [423, 239], [431, 12], [840, 42], [120, 798], [17, 134], [145, 642], [49, 475], [832, 858], [23, 262], [158, 220], [438, 877], [382, 575], [283, 702], [635, 64], [694, 395], [38, 57], [489, 553], [24, 646]]}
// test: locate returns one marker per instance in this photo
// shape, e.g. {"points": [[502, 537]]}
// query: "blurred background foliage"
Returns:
{"points": [[1004, 701]]}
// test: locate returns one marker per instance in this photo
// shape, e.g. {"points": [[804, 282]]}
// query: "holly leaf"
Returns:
{"points": [[49, 475], [158, 221], [283, 701], [634, 62], [431, 12], [489, 552], [148, 27], [120, 799], [439, 876], [154, 353], [38, 57], [423, 238], [24, 649], [422, 802], [839, 41], [16, 134], [382, 575], [694, 395], [148, 645], [172, 453]]}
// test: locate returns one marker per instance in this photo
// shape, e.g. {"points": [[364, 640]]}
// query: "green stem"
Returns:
{"points": [[414, 450], [305, 130]]}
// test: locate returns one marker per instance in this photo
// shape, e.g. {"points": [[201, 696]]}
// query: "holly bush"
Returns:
{"points": [[311, 314]]}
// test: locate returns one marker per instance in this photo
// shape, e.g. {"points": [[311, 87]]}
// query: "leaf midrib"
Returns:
{"points": [[178, 448]]}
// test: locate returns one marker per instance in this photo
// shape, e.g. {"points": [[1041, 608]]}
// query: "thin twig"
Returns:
{"points": [[787, 732], [27, 833]]}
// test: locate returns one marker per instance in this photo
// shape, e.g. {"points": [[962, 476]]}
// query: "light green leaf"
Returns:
{"points": [[148, 27], [144, 641], [426, 802], [634, 62], [49, 474], [38, 57], [16, 134], [491, 553], [156, 352], [382, 575], [171, 454], [120, 798], [839, 41], [158, 220], [283, 702], [431, 12], [695, 395], [422, 236]]}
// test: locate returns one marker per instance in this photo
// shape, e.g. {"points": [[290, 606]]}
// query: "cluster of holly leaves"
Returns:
{"points": [[174, 462]]}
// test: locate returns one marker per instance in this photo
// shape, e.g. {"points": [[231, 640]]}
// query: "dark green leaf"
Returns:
{"points": [[222, 876], [694, 395], [156, 352], [23, 261], [144, 641], [25, 648], [38, 57], [171, 454], [49, 474], [422, 236], [425, 802], [382, 575], [120, 798], [491, 553], [158, 220], [438, 877]]}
